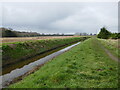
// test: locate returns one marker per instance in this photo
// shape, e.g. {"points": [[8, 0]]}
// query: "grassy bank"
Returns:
{"points": [[84, 66], [112, 45], [13, 52]]}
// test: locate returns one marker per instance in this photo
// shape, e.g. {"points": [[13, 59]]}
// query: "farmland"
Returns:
{"points": [[84, 66], [22, 39]]}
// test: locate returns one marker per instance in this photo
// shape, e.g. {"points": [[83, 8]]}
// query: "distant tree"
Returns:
{"points": [[42, 34], [8, 33], [118, 35], [90, 34], [77, 33], [62, 34], [85, 34], [104, 33], [115, 35]]}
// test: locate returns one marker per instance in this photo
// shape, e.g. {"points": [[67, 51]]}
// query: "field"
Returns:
{"points": [[85, 66], [21, 39]]}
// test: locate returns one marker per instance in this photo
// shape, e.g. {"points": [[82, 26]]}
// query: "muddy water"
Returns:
{"points": [[20, 64], [22, 68]]}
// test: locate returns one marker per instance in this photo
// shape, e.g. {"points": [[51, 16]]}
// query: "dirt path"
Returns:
{"points": [[109, 53]]}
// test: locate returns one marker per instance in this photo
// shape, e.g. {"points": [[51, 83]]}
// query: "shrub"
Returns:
{"points": [[104, 33]]}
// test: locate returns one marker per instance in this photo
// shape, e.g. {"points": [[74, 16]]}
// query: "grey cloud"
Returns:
{"points": [[60, 17]]}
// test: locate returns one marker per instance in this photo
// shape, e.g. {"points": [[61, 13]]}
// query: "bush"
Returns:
{"points": [[115, 35], [104, 33]]}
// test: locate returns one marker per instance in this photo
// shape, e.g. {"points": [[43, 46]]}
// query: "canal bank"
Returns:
{"points": [[16, 74], [84, 66], [32, 51], [18, 51]]}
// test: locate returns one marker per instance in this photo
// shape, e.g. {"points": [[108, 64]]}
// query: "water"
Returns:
{"points": [[21, 71], [21, 63]]}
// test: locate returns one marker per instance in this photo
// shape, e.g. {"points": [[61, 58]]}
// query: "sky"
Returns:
{"points": [[59, 17]]}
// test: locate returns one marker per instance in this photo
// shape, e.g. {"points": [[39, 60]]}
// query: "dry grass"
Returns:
{"points": [[20, 39], [114, 42], [112, 45]]}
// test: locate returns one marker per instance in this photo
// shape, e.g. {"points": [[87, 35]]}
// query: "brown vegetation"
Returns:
{"points": [[19, 39]]}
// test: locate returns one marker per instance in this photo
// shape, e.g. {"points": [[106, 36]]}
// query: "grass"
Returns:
{"points": [[111, 45], [84, 66], [16, 51]]}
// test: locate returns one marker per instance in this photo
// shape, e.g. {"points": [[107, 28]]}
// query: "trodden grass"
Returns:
{"points": [[112, 45], [84, 66]]}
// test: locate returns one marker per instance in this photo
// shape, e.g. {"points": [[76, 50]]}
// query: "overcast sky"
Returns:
{"points": [[60, 17]]}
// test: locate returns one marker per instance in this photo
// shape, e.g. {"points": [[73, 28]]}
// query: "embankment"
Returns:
{"points": [[84, 66], [18, 51]]}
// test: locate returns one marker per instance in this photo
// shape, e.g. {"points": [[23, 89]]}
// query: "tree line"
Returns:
{"points": [[105, 34], [8, 32]]}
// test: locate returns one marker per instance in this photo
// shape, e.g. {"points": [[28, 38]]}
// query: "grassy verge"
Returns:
{"points": [[84, 66], [111, 45], [17, 51]]}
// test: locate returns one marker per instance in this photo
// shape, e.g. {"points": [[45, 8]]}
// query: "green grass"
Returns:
{"points": [[84, 66], [112, 46], [13, 52]]}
